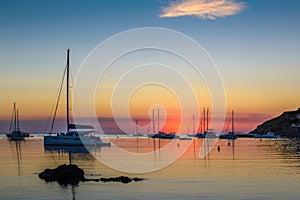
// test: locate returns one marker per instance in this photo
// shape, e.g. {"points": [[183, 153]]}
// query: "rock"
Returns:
{"points": [[136, 179], [72, 174], [286, 125], [63, 174], [122, 179]]}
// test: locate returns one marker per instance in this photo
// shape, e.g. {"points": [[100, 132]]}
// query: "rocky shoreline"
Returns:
{"points": [[285, 125], [71, 175]]}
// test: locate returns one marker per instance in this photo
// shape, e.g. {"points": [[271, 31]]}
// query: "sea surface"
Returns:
{"points": [[247, 169]]}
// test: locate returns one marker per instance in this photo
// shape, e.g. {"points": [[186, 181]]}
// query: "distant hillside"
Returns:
{"points": [[287, 124]]}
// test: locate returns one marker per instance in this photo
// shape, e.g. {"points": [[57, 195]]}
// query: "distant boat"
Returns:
{"points": [[15, 134], [193, 134], [163, 135], [201, 133], [245, 135], [76, 135], [137, 134], [160, 134], [230, 135], [269, 135], [207, 133], [185, 138]]}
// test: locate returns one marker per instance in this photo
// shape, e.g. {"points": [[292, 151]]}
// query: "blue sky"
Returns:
{"points": [[257, 50]]}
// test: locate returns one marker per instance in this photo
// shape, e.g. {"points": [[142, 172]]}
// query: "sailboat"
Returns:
{"points": [[230, 135], [208, 132], [76, 135], [15, 134], [137, 134], [163, 135]]}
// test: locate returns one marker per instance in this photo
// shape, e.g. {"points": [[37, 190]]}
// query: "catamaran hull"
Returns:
{"points": [[228, 137], [72, 141], [17, 138]]}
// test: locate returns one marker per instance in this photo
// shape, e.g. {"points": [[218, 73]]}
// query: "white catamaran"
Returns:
{"points": [[76, 135]]}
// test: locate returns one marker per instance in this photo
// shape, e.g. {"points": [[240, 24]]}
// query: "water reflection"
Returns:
{"points": [[74, 152], [67, 149], [250, 165], [73, 192], [17, 146]]}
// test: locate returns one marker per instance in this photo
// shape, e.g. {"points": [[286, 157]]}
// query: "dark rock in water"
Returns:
{"points": [[72, 174], [136, 179], [63, 174], [123, 179]]}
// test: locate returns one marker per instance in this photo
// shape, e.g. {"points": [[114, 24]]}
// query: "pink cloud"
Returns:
{"points": [[203, 9]]}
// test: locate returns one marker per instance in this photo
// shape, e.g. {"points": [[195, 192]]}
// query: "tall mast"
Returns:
{"points": [[193, 124], [68, 65], [200, 125], [15, 117], [207, 119], [157, 120], [18, 125], [204, 116], [153, 124], [232, 121]]}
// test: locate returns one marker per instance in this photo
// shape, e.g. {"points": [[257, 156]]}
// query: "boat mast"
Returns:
{"points": [[232, 121], [157, 120], [207, 119], [11, 123], [153, 124], [18, 125], [68, 65], [193, 124], [15, 117], [204, 118]]}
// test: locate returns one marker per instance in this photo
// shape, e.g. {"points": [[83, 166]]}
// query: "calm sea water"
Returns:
{"points": [[252, 169]]}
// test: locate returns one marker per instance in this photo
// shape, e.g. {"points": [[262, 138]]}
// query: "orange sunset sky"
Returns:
{"points": [[255, 46]]}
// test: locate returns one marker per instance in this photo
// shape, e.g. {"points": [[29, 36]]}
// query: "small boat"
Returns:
{"points": [[210, 134], [191, 135], [76, 135], [160, 134], [185, 138], [200, 135], [245, 135], [137, 134], [207, 133], [269, 135], [230, 135], [163, 135], [15, 134]]}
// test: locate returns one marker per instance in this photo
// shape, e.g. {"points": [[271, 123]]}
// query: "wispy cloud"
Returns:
{"points": [[204, 9]]}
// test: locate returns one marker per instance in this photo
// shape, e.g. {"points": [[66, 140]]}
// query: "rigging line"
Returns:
{"points": [[75, 95], [15, 117], [52, 110], [58, 98], [227, 127], [11, 123]]}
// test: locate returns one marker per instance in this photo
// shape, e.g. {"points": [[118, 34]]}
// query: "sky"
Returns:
{"points": [[255, 44]]}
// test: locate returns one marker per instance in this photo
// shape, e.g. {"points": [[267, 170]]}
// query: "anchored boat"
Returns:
{"points": [[76, 135]]}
